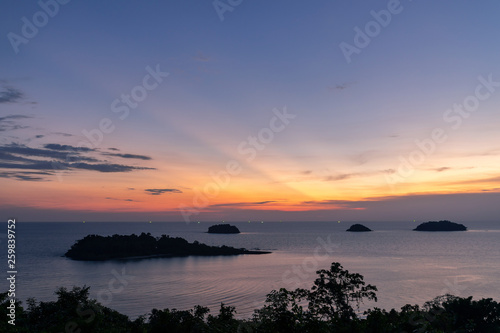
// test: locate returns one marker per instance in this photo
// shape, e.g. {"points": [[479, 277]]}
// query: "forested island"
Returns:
{"points": [[329, 306], [358, 228], [443, 225], [223, 229], [95, 248]]}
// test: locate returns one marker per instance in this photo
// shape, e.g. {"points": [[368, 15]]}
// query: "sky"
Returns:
{"points": [[236, 110]]}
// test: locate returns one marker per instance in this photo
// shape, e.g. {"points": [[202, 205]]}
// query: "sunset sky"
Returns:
{"points": [[250, 110]]}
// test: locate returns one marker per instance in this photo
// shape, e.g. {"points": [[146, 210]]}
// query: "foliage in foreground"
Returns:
{"points": [[329, 306]]}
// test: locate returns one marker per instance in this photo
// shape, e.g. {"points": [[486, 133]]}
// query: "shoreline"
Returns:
{"points": [[171, 255]]}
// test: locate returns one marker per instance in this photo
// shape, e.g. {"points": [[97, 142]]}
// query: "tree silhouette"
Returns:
{"points": [[336, 291]]}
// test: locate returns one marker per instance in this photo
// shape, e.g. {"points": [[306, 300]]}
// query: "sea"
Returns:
{"points": [[407, 267]]}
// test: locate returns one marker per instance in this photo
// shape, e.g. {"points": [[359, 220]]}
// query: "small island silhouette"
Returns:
{"points": [[97, 248], [223, 229], [443, 225], [358, 228]]}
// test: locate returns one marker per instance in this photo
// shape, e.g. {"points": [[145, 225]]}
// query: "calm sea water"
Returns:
{"points": [[406, 266]]}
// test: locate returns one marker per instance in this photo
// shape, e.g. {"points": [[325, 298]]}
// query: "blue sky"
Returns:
{"points": [[354, 121]]}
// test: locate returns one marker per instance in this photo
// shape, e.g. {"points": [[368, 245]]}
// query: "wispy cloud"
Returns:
{"points": [[56, 146], [10, 94], [491, 189], [52, 157], [116, 199], [159, 191], [72, 149], [491, 180], [340, 87], [16, 160], [364, 157], [10, 123], [15, 116], [344, 204], [106, 167], [201, 57], [342, 176], [243, 204], [443, 169], [62, 134], [52, 165], [26, 175], [139, 157], [14, 150]]}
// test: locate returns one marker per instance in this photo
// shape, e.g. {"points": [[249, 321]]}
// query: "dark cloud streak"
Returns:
{"points": [[159, 191], [8, 123], [128, 200], [25, 175], [54, 157], [55, 146], [242, 204], [10, 95], [139, 157]]}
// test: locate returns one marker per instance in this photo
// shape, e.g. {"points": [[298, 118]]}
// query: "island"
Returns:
{"points": [[358, 228], [223, 229], [98, 248], [444, 225]]}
